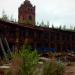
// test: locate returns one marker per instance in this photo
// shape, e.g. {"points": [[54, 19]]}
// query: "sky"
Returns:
{"points": [[57, 12]]}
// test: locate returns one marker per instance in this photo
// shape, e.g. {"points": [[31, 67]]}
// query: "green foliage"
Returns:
{"points": [[53, 68], [29, 61], [27, 64], [60, 69], [4, 16]]}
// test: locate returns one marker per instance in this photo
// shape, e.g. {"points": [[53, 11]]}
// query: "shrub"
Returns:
{"points": [[27, 61], [53, 68]]}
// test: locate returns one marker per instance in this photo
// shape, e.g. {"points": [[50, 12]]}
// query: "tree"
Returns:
{"points": [[4, 16], [37, 23], [47, 24], [60, 27], [74, 28], [12, 19], [52, 26], [64, 27], [71, 27], [42, 24]]}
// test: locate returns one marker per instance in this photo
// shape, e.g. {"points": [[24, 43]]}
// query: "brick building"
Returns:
{"points": [[26, 13]]}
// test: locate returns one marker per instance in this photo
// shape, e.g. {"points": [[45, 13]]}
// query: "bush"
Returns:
{"points": [[53, 68], [26, 61]]}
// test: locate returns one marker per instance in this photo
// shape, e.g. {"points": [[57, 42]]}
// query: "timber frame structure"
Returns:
{"points": [[38, 37], [43, 39]]}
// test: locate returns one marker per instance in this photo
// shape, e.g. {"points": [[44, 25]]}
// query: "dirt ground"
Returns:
{"points": [[70, 70]]}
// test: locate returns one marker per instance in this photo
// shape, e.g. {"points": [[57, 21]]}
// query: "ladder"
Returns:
{"points": [[7, 45], [5, 48]]}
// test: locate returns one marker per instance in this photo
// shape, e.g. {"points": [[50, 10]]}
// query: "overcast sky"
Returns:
{"points": [[57, 12]]}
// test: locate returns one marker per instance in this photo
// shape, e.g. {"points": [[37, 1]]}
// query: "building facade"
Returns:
{"points": [[26, 13]]}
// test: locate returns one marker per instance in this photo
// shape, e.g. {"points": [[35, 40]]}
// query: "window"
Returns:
{"points": [[30, 17]]}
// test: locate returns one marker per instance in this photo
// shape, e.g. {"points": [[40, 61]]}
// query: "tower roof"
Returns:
{"points": [[26, 0], [27, 3]]}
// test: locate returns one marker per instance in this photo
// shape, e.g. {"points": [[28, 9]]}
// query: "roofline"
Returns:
{"points": [[34, 27]]}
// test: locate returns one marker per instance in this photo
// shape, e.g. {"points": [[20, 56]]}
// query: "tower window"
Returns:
{"points": [[30, 17]]}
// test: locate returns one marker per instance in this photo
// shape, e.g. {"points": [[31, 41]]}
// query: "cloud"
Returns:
{"points": [[59, 11]]}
